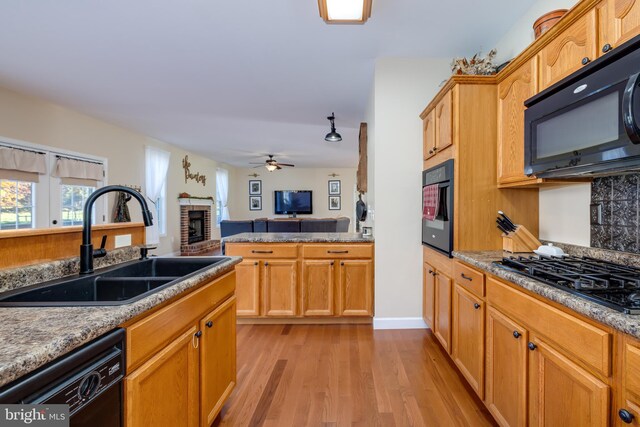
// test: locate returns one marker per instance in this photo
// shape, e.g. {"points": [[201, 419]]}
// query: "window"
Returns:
{"points": [[161, 210], [17, 204], [222, 192], [218, 212], [73, 198]]}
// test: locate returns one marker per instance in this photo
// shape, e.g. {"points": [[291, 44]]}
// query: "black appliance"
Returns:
{"points": [[290, 202], [613, 285], [438, 233], [88, 379], [589, 122]]}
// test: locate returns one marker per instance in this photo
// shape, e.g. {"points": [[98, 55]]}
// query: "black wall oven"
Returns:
{"points": [[438, 233], [588, 123]]}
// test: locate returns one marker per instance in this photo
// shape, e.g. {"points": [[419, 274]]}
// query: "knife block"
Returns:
{"points": [[519, 240]]}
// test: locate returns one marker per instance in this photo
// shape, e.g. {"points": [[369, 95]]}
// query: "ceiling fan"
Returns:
{"points": [[272, 165]]}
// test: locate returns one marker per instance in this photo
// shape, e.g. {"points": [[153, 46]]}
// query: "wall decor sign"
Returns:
{"points": [[255, 187], [334, 203], [255, 203], [334, 187], [186, 164]]}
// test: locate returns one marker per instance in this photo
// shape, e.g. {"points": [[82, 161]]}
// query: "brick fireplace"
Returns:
{"points": [[195, 227]]}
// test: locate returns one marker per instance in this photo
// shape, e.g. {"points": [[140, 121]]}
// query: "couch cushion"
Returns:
{"points": [[342, 225], [283, 226], [230, 227], [318, 225]]}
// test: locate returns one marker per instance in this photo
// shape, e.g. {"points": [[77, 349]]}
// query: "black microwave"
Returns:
{"points": [[588, 123]]}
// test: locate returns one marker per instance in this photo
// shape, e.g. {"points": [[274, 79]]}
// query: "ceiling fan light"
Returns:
{"points": [[345, 11], [271, 167]]}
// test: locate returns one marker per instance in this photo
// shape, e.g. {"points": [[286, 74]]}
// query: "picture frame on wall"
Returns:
{"points": [[334, 187], [255, 203], [255, 187], [334, 203]]}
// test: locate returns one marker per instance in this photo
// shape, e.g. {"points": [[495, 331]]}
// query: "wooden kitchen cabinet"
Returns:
{"points": [[569, 51], [165, 390], [444, 122], [629, 400], [429, 135], [442, 314], [467, 341], [318, 285], [561, 392], [506, 369], [217, 360], [512, 92], [428, 294], [248, 287], [619, 21], [280, 287], [356, 288]]}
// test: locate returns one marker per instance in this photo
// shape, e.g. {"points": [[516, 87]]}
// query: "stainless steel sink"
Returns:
{"points": [[116, 285]]}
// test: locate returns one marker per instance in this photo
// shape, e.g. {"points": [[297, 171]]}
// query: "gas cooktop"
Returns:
{"points": [[613, 285]]}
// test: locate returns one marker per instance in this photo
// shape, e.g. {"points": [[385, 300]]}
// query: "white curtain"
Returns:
{"points": [[80, 169], [222, 190], [157, 165], [22, 160]]}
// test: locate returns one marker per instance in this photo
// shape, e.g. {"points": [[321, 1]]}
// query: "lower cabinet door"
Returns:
{"points": [[280, 287], [318, 286], [506, 369], [248, 288], [428, 294], [467, 340], [442, 314], [164, 391], [562, 393], [356, 288], [217, 360]]}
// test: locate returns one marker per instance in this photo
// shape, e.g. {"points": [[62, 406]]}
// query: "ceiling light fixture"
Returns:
{"points": [[333, 136], [271, 167], [345, 11]]}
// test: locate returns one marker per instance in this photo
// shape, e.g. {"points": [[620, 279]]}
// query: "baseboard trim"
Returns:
{"points": [[399, 323], [303, 321]]}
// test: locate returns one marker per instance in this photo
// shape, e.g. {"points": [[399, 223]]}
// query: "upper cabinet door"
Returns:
{"points": [[512, 92], [569, 51], [619, 21], [444, 122], [429, 135]]}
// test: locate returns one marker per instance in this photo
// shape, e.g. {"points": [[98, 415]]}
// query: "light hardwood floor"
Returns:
{"points": [[346, 375]]}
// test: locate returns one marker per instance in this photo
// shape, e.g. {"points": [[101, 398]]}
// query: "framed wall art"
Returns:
{"points": [[255, 187], [334, 187], [255, 203], [334, 203]]}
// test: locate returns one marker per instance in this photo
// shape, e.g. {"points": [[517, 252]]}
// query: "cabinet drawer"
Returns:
{"points": [[147, 336], [586, 342], [337, 251], [469, 278], [262, 250]]}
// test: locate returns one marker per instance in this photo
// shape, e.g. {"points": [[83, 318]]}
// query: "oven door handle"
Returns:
{"points": [[628, 110]]}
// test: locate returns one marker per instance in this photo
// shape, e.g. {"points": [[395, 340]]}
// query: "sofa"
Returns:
{"points": [[285, 225]]}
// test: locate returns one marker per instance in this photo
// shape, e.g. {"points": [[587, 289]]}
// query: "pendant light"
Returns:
{"points": [[333, 136]]}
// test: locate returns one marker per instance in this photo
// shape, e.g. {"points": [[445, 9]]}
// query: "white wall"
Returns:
{"points": [[402, 89], [564, 210], [314, 179]]}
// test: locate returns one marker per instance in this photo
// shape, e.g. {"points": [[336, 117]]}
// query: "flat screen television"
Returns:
{"points": [[290, 202]]}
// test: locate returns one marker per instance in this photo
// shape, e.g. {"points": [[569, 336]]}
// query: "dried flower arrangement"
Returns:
{"points": [[476, 65]]}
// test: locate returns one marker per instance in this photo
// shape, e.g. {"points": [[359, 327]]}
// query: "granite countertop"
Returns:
{"points": [[483, 260], [34, 336], [298, 238]]}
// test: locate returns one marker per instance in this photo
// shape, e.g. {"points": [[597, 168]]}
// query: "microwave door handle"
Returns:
{"points": [[628, 110]]}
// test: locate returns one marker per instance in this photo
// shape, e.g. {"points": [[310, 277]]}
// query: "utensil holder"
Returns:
{"points": [[519, 240]]}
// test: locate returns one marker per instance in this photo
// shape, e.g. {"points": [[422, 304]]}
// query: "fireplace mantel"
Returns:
{"points": [[195, 202]]}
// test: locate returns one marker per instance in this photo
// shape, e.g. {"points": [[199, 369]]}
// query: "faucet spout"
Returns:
{"points": [[86, 248]]}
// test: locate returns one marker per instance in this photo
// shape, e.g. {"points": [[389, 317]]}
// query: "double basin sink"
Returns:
{"points": [[117, 285]]}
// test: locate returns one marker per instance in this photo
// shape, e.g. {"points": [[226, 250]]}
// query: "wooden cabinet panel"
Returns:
{"points": [[429, 135], [442, 321], [506, 370], [512, 92], [356, 288], [217, 360], [630, 390], [262, 250], [428, 294], [248, 288], [164, 390], [469, 278], [565, 53], [280, 287], [619, 21], [563, 394], [467, 340], [444, 122], [337, 251], [318, 287]]}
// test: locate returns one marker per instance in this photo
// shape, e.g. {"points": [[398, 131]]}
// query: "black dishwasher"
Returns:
{"points": [[88, 379]]}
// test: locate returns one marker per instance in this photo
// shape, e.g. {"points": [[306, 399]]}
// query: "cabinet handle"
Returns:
{"points": [[532, 346], [337, 252], [430, 271], [261, 252], [434, 274], [266, 264], [626, 416], [255, 263], [195, 341], [209, 324], [332, 262], [435, 149], [476, 306], [342, 263], [516, 334], [606, 48], [466, 277], [430, 152], [585, 60]]}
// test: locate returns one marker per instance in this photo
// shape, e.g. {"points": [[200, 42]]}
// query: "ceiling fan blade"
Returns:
{"points": [[286, 164], [256, 163], [278, 167], [259, 166]]}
